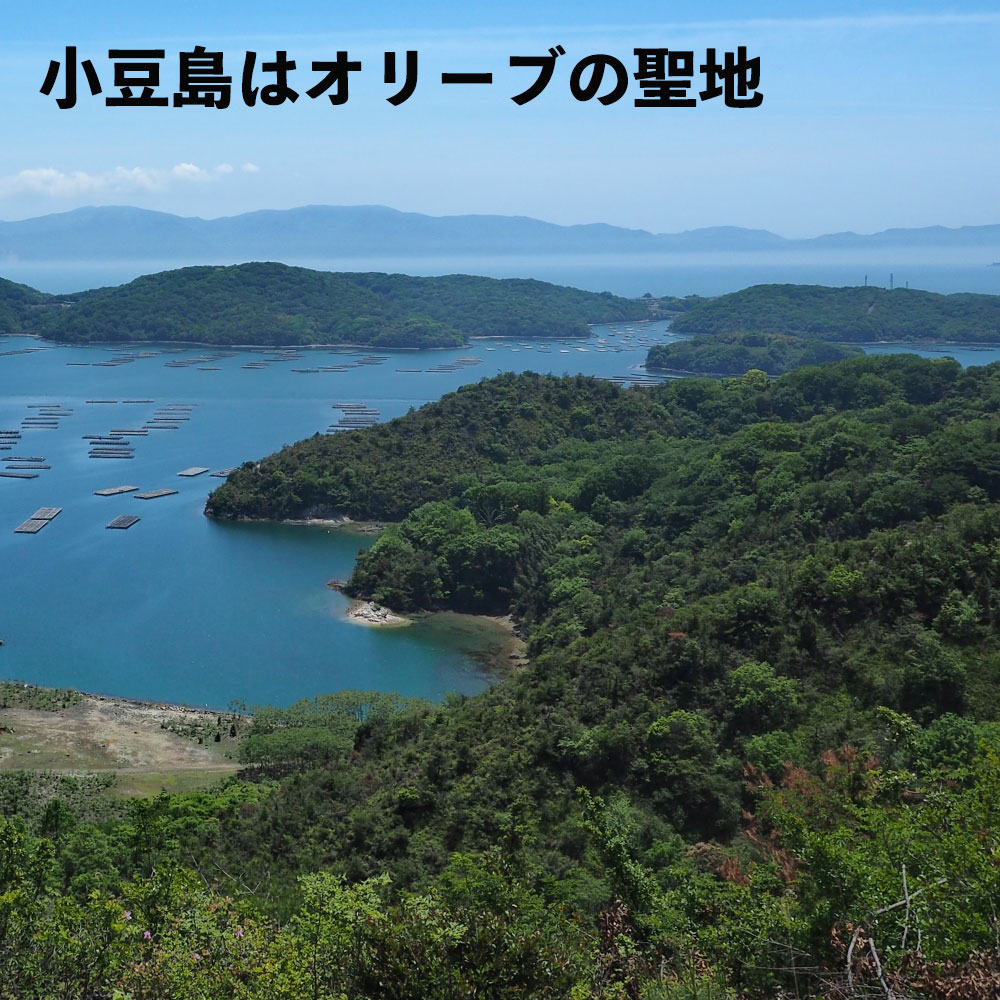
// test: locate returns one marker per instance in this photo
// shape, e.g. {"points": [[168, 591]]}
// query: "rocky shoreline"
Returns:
{"points": [[370, 613]]}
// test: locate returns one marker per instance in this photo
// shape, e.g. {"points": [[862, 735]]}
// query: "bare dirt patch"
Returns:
{"points": [[110, 734]]}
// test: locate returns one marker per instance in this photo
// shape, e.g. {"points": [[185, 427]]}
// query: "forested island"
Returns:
{"points": [[266, 303], [738, 353], [275, 304], [854, 314], [754, 753]]}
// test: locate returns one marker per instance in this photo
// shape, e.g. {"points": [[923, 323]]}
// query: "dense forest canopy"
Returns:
{"points": [[854, 314], [737, 353], [756, 751], [264, 303], [15, 304], [267, 303]]}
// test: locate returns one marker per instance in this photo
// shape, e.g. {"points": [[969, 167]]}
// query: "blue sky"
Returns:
{"points": [[873, 116]]}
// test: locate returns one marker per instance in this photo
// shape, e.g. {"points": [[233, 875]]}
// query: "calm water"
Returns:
{"points": [[967, 357], [953, 269], [182, 608]]}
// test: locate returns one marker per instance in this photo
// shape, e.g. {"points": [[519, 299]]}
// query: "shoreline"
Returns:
{"points": [[923, 344], [515, 655], [265, 348], [508, 656], [151, 742], [514, 652], [372, 615], [344, 523], [147, 703], [147, 744]]}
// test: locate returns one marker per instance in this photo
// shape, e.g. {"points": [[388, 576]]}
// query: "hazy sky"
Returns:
{"points": [[873, 115]]}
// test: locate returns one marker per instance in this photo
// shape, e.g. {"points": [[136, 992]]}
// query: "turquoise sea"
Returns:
{"points": [[949, 269], [182, 608]]}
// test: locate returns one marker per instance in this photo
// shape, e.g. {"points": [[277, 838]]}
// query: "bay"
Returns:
{"points": [[186, 609]]}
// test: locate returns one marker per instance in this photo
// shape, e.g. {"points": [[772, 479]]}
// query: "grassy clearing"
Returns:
{"points": [[71, 746]]}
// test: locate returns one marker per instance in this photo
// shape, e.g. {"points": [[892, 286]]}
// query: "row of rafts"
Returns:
{"points": [[43, 417], [115, 443], [362, 362], [355, 415], [45, 515], [630, 337], [205, 362]]}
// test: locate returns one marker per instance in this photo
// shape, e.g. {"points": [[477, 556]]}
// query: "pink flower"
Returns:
{"points": [[196, 956], [128, 914], [238, 932], [147, 935]]}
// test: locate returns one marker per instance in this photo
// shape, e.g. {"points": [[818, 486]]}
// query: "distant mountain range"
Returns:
{"points": [[327, 231]]}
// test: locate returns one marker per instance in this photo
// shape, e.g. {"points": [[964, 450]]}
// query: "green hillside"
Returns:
{"points": [[738, 353], [18, 305], [854, 314], [755, 753], [275, 304]]}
